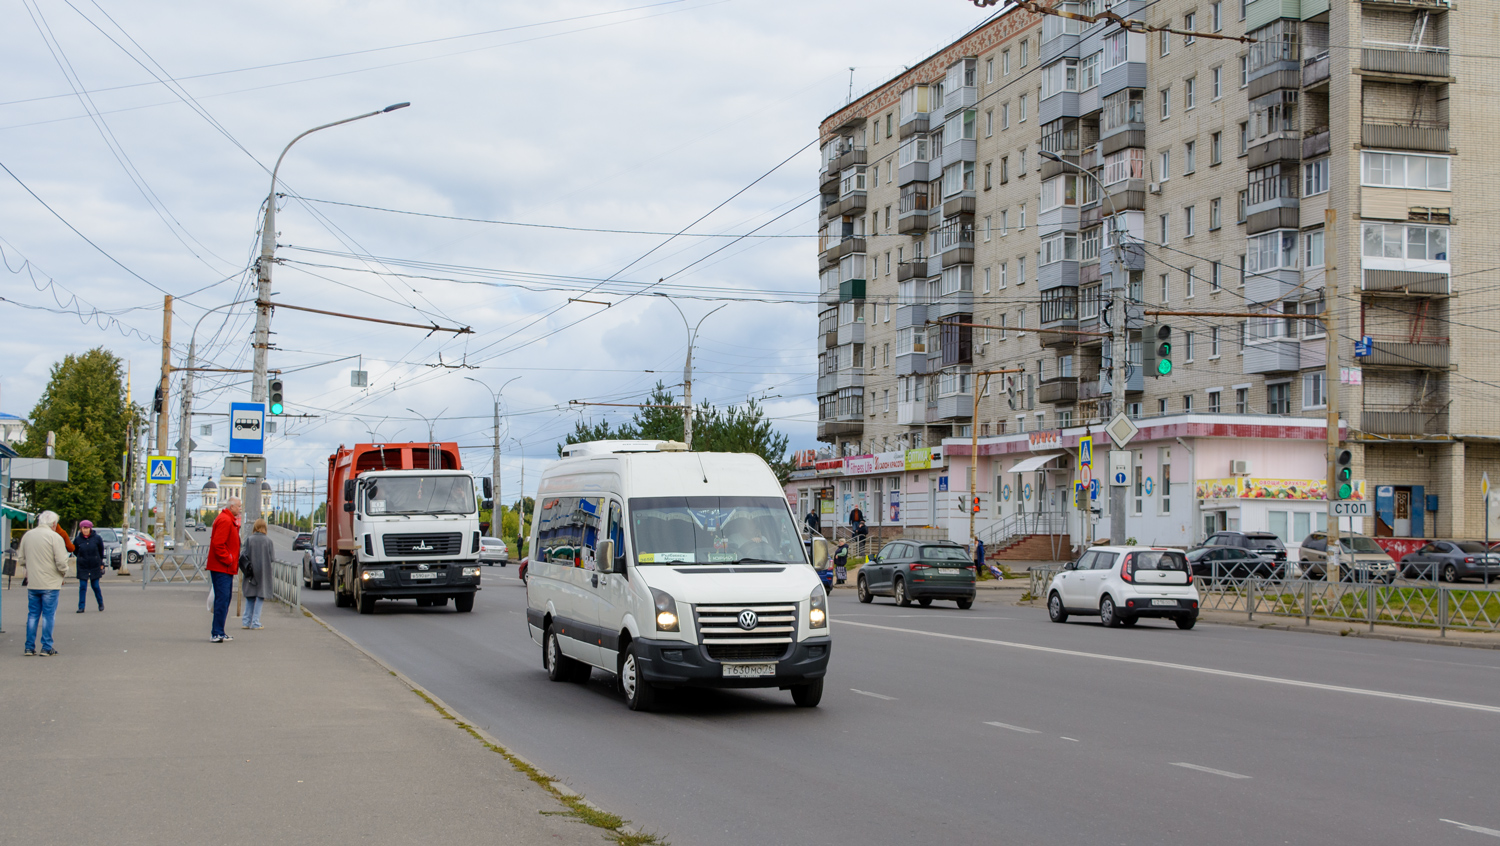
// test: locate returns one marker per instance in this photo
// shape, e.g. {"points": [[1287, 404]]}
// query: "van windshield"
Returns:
{"points": [[714, 530], [420, 495]]}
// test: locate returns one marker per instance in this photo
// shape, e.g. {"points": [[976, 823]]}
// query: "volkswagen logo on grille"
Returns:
{"points": [[748, 620]]}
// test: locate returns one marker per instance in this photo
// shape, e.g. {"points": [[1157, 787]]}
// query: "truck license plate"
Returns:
{"points": [[424, 575], [749, 671]]}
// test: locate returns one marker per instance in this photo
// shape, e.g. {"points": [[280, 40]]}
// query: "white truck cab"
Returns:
{"points": [[673, 569]]}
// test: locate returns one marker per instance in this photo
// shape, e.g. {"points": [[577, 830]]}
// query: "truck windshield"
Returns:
{"points": [[420, 495], [714, 530]]}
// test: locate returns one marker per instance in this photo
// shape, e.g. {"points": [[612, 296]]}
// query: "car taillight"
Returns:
{"points": [[1190, 575], [1469, 560], [1125, 570], [920, 566]]}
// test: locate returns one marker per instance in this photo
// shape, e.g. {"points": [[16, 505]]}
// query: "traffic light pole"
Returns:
{"points": [[163, 418], [1331, 380]]}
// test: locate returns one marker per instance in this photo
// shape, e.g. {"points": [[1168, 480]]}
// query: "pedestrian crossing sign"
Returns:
{"points": [[161, 470]]}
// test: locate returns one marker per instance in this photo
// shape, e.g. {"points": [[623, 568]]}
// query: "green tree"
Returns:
{"points": [[585, 431], [657, 422], [84, 405]]}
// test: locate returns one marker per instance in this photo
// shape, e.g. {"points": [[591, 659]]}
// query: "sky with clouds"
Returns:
{"points": [[138, 139]]}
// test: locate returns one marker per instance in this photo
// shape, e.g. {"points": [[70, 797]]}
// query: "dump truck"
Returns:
{"points": [[403, 523]]}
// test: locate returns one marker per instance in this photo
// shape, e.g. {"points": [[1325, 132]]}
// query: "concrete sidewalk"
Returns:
{"points": [[142, 731]]}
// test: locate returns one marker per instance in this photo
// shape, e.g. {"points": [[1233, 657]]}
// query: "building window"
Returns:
{"points": [[1059, 77], [988, 272], [1313, 395], [1242, 204], [1188, 221], [1215, 277], [1062, 246], [1393, 170], [989, 123], [1189, 23], [1187, 403], [1022, 162], [1025, 51], [1004, 270], [1190, 153], [1217, 82], [1061, 190], [1004, 170], [1213, 342], [989, 70], [1005, 62], [1215, 148], [1213, 215], [1191, 282], [1116, 50], [1272, 251], [1121, 109], [1214, 405], [1279, 398], [1315, 177], [1161, 407], [1165, 166], [1244, 138], [1190, 93], [1412, 243], [986, 227], [1021, 270], [1166, 102], [1121, 165], [1166, 43], [1216, 16], [1312, 255], [1021, 111], [1244, 71], [1088, 70], [1313, 328], [1004, 223], [1023, 229], [1165, 222], [1166, 288], [1187, 346], [1241, 400]]}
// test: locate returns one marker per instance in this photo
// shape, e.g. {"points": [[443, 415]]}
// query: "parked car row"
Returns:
{"points": [[1262, 555]]}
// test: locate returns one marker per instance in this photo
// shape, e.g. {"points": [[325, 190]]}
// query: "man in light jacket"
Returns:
{"points": [[44, 554]]}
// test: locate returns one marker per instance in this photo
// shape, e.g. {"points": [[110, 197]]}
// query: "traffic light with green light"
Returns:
{"points": [[1343, 474], [275, 397], [1156, 350]]}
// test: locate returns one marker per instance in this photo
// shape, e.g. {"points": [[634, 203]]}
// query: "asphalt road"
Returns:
{"points": [[995, 725]]}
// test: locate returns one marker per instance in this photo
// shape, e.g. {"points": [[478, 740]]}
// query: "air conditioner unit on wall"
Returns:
{"points": [[1154, 187], [1238, 467]]}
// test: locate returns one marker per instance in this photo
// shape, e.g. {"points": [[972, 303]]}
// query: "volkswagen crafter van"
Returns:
{"points": [[674, 569]]}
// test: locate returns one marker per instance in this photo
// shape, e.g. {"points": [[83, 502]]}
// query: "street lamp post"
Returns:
{"points": [[430, 421], [263, 286], [687, 371], [1120, 332], [495, 458]]}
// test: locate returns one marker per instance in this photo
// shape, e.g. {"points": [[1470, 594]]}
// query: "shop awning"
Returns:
{"points": [[1036, 462], [14, 513]]}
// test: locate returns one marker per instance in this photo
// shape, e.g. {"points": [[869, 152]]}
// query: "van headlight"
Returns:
{"points": [[817, 609], [372, 574], [666, 610]]}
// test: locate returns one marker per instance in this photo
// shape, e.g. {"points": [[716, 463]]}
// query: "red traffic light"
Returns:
{"points": [[115, 493], [976, 505]]}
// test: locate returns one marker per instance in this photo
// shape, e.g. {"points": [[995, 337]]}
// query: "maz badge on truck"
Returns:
{"points": [[674, 569]]}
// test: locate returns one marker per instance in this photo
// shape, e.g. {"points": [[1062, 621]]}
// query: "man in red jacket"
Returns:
{"points": [[223, 563]]}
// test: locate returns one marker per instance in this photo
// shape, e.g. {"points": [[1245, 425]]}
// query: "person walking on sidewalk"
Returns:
{"points": [[88, 546], [223, 563], [44, 554], [841, 562], [256, 583]]}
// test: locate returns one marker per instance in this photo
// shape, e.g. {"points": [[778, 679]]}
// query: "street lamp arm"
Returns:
{"points": [[289, 144]]}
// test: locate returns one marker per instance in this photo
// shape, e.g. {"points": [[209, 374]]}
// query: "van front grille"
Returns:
{"points": [[753, 652], [719, 625]]}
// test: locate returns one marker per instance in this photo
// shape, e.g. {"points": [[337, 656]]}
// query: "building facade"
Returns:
{"points": [[980, 208]]}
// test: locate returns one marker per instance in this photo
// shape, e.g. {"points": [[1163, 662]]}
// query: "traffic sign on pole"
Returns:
{"points": [[247, 426], [1119, 467], [1086, 451], [161, 470]]}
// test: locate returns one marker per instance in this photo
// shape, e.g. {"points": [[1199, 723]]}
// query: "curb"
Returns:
{"points": [[558, 787]]}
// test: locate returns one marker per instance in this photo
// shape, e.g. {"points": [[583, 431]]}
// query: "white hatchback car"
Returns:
{"points": [[1123, 584]]}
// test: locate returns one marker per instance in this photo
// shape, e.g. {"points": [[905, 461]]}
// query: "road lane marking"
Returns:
{"points": [[1211, 770], [1074, 739], [1477, 829], [873, 695], [1014, 728], [1190, 668]]}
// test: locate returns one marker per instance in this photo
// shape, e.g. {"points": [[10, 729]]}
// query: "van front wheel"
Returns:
{"points": [[640, 695], [808, 695]]}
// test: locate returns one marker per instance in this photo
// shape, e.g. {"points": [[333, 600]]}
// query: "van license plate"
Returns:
{"points": [[1170, 603], [749, 671], [948, 571], [424, 575]]}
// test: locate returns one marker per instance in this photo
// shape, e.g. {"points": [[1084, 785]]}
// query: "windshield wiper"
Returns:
{"points": [[759, 561]]}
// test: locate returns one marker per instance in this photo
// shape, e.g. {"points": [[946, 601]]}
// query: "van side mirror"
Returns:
{"points": [[604, 556], [819, 553]]}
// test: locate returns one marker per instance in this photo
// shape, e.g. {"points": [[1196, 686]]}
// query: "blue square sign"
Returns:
{"points": [[247, 426]]}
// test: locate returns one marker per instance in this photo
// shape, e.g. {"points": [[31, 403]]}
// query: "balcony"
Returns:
{"points": [[1272, 286], [914, 269], [844, 247], [915, 209], [962, 97], [1421, 354], [829, 430], [915, 172], [828, 182], [851, 289], [1316, 144], [1062, 390], [1405, 283], [1278, 356], [1401, 62], [1403, 420], [958, 306], [911, 413], [1279, 150], [950, 408], [1315, 71], [912, 363], [960, 203], [1135, 383], [852, 333], [1426, 135], [830, 339], [850, 157], [908, 316], [914, 222], [913, 123], [1413, 5], [852, 203]]}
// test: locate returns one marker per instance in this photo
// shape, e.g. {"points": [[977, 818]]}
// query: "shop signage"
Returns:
{"points": [[885, 462], [1242, 487], [827, 464], [1046, 440], [924, 458]]}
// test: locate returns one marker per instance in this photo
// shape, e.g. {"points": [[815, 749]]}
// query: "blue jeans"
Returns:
{"points": [[40, 605], [253, 606], [83, 592], [223, 590]]}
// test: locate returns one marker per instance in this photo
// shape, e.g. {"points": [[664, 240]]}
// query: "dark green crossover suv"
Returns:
{"points": [[921, 571]]}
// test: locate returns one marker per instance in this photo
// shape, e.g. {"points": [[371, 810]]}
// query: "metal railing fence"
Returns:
{"points": [[166, 567], [286, 583], [1417, 605]]}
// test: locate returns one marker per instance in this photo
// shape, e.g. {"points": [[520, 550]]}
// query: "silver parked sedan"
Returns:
{"points": [[492, 550]]}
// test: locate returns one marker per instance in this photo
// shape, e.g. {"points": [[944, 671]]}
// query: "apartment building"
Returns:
{"points": [[979, 209]]}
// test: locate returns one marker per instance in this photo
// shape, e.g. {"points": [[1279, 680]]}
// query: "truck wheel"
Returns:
{"points": [[340, 599], [366, 603], [808, 695], [640, 695], [463, 603]]}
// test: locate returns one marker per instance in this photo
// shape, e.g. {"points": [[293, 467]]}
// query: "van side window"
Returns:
{"points": [[569, 531]]}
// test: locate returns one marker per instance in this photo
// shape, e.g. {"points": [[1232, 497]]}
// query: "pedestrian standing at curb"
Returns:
{"points": [[88, 546], [841, 562], [223, 563], [814, 522], [256, 583], [44, 554]]}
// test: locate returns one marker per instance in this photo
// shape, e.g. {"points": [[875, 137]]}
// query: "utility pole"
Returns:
{"points": [[184, 452], [687, 373], [162, 420], [974, 441], [1331, 377], [125, 483]]}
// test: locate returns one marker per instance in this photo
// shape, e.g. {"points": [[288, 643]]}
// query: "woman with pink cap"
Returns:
{"points": [[88, 546]]}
